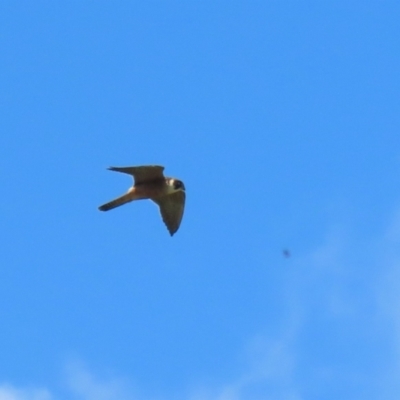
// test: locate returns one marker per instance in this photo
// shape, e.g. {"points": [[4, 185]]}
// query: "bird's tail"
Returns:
{"points": [[126, 198]]}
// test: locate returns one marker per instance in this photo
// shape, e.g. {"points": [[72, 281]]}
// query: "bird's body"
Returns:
{"points": [[150, 183], [142, 191]]}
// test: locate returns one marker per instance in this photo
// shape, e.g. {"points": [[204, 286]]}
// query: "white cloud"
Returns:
{"points": [[268, 375], [85, 386], [81, 385], [336, 285], [346, 282], [269, 365], [8, 392]]}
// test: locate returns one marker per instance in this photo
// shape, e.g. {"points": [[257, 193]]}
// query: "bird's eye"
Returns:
{"points": [[178, 185]]}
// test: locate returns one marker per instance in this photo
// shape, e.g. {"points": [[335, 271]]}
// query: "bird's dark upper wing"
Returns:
{"points": [[171, 207], [145, 173]]}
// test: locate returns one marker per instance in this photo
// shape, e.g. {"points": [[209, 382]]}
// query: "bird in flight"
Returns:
{"points": [[149, 182]]}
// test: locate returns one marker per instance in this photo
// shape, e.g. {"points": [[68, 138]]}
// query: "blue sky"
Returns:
{"points": [[282, 118]]}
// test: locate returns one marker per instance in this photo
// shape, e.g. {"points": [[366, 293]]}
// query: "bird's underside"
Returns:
{"points": [[150, 183]]}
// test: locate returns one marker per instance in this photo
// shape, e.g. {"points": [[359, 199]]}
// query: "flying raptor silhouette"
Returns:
{"points": [[150, 183]]}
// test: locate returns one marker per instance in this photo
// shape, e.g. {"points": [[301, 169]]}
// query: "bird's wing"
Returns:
{"points": [[145, 173], [171, 208]]}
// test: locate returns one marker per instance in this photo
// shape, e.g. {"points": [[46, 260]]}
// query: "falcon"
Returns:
{"points": [[149, 182]]}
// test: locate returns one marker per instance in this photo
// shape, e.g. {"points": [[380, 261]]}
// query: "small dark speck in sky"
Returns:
{"points": [[286, 253]]}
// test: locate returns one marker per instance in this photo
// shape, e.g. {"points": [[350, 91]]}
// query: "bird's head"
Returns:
{"points": [[176, 184]]}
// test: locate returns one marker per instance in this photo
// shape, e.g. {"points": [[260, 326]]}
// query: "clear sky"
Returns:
{"points": [[283, 120]]}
